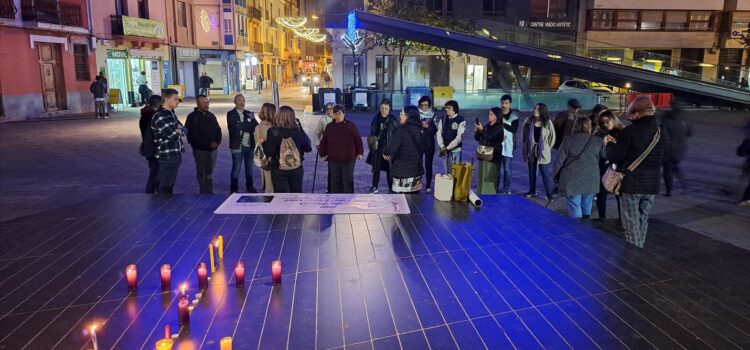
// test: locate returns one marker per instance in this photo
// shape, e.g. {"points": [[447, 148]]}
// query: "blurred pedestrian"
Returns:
{"points": [[595, 113], [405, 152], [743, 150], [204, 135], [382, 127], [286, 145], [259, 85], [143, 88], [577, 168], [429, 128], [341, 146], [241, 124], [609, 124], [677, 132], [267, 117], [538, 139], [168, 134], [204, 84], [148, 149], [99, 90], [450, 131], [489, 151], [642, 140], [564, 121], [510, 120]]}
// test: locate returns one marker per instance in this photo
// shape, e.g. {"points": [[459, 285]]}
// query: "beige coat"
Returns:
{"points": [[544, 148], [262, 131]]}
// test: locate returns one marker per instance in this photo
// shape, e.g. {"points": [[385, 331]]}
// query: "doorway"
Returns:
{"points": [[53, 88]]}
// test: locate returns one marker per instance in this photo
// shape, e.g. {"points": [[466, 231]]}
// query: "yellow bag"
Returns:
{"points": [[462, 174]]}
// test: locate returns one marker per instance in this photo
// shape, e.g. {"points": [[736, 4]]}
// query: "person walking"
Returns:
{"points": [[450, 131], [510, 125], [677, 131], [382, 127], [241, 124], [318, 135], [204, 83], [260, 83], [538, 139], [148, 150], [609, 124], [564, 120], [104, 81], [286, 145], [427, 116], [267, 118], [204, 135], [143, 89], [577, 168], [743, 150], [168, 134], [642, 140], [490, 138], [99, 90], [405, 152], [341, 146]]}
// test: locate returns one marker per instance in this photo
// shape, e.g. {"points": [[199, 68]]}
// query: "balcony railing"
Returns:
{"points": [[8, 9], [268, 48], [116, 21], [45, 11], [71, 15], [255, 14], [258, 48]]}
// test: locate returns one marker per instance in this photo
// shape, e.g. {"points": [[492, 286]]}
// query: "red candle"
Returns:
{"points": [[276, 272], [202, 276], [239, 274], [167, 332], [166, 278], [131, 275], [183, 314]]}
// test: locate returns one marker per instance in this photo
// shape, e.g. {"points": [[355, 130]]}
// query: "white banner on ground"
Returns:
{"points": [[312, 203]]}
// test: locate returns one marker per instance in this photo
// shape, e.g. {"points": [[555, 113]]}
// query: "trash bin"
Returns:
{"points": [[360, 99], [442, 95], [328, 95], [414, 93]]}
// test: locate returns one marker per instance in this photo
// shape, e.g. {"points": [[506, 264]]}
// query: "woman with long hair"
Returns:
{"points": [[405, 151], [491, 135], [609, 124], [576, 165], [286, 145], [267, 116], [538, 140]]}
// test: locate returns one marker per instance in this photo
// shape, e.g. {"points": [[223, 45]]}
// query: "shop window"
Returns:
{"points": [[699, 20], [651, 20], [121, 7], [493, 8], [81, 59], [627, 20], [602, 19], [181, 14], [675, 20]]}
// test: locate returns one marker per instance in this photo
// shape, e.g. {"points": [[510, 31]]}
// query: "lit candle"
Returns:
{"points": [[221, 247], [202, 276], [166, 278], [167, 332], [164, 344], [225, 343], [239, 274], [211, 254], [93, 337], [182, 307], [191, 308], [131, 274], [276, 272]]}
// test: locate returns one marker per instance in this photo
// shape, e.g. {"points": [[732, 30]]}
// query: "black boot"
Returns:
{"points": [[233, 186]]}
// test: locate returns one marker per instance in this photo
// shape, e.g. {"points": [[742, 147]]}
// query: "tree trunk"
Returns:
{"points": [[401, 56]]}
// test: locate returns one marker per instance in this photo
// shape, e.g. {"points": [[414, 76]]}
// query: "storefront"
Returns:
{"points": [[223, 68], [124, 67], [187, 70]]}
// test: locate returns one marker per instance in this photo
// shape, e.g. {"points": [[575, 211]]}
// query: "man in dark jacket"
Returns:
{"points": [[382, 127], [99, 90], [204, 135], [641, 185], [204, 83], [148, 149], [564, 121], [241, 124], [341, 146], [678, 131]]}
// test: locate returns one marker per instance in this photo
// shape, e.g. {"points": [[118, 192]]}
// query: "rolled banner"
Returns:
{"points": [[474, 199]]}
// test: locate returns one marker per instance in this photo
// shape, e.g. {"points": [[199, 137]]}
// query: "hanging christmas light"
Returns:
{"points": [[317, 38], [291, 22], [305, 32]]}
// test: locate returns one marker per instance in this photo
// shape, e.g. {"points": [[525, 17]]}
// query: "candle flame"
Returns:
{"points": [[93, 328], [183, 287], [216, 243]]}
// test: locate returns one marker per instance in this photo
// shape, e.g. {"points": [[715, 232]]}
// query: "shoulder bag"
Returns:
{"points": [[572, 160], [612, 179]]}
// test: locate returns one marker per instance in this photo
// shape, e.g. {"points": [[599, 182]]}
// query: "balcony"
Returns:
{"points": [[268, 48], [255, 14], [8, 9], [44, 11], [71, 15], [143, 29], [258, 48]]}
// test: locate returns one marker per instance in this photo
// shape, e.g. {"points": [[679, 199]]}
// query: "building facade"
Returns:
{"points": [[48, 64]]}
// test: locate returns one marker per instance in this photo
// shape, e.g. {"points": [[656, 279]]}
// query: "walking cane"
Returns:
{"points": [[315, 171]]}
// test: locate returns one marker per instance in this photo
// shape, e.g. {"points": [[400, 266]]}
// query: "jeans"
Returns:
{"points": [[240, 155], [101, 108], [153, 173], [504, 169], [579, 205], [287, 181], [546, 177], [635, 210], [205, 162], [453, 157], [428, 158], [341, 177], [168, 168], [203, 91], [671, 168]]}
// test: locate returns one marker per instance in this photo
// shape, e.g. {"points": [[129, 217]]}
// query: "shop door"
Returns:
{"points": [[118, 79], [53, 90]]}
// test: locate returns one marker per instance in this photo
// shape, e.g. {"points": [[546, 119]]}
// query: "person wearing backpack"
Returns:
{"points": [[341, 146], [285, 147], [641, 141], [148, 148], [99, 90], [267, 116], [577, 168], [241, 124]]}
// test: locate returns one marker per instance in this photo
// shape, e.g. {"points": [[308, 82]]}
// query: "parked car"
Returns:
{"points": [[583, 86], [311, 77]]}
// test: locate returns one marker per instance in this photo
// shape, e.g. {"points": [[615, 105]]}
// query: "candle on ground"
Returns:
{"points": [[276, 272], [131, 275], [202, 276], [239, 274], [182, 307], [221, 247], [225, 343], [164, 344], [211, 255], [93, 337], [167, 332], [166, 278]]}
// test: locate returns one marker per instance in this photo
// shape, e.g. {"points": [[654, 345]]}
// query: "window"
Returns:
{"points": [[651, 20], [493, 7], [181, 15], [143, 9], [549, 9], [675, 20], [602, 19], [699, 20], [228, 27], [627, 20], [81, 59], [121, 7]]}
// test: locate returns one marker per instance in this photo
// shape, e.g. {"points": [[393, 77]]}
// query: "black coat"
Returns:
{"points": [[272, 146], [406, 151], [492, 136], [390, 125], [678, 131], [631, 143], [238, 126], [429, 135], [202, 130]]}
